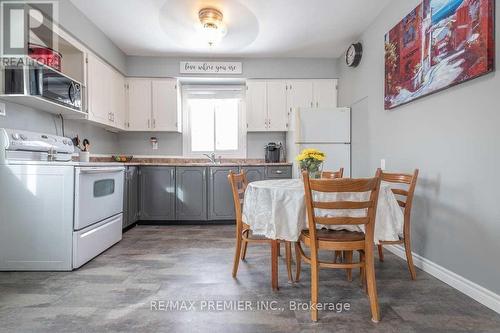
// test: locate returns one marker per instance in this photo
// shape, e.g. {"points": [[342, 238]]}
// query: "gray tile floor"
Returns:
{"points": [[155, 264]]}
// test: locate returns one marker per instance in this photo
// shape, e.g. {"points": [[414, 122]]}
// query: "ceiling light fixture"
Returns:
{"points": [[213, 28]]}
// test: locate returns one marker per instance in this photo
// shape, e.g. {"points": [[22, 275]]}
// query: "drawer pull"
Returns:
{"points": [[279, 172]]}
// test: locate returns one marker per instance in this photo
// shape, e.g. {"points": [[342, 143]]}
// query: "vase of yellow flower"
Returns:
{"points": [[311, 160]]}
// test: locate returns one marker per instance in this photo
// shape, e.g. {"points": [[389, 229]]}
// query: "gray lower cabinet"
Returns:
{"points": [[131, 196], [191, 189], [254, 173], [220, 196], [187, 193], [158, 193]]}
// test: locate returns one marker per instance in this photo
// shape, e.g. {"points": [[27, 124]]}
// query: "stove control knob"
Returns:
{"points": [[65, 142], [23, 137], [15, 136]]}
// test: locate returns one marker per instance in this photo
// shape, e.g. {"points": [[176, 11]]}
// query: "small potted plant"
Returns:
{"points": [[311, 160]]}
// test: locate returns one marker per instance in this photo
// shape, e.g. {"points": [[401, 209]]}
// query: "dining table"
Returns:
{"points": [[276, 209]]}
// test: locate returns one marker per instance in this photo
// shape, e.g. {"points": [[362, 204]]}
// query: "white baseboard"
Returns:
{"points": [[469, 288]]}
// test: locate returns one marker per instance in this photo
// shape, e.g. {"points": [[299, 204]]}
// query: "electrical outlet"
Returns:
{"points": [[154, 143], [382, 164], [3, 111]]}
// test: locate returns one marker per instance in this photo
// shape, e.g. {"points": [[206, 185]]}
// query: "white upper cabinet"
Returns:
{"points": [[300, 94], [277, 116], [118, 105], [318, 93], [153, 105], [106, 93], [98, 90], [256, 108], [139, 105], [266, 106], [166, 111], [325, 93], [270, 103]]}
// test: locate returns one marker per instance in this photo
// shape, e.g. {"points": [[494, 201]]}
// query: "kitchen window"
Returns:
{"points": [[214, 121]]}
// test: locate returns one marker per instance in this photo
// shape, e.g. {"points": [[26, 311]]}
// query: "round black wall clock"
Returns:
{"points": [[353, 55]]}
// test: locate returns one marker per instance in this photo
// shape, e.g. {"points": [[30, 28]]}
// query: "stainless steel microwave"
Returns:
{"points": [[44, 82]]}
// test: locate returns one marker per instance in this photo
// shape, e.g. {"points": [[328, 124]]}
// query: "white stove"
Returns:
{"points": [[55, 214]]}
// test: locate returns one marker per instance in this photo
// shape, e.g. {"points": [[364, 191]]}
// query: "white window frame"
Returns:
{"points": [[242, 128]]}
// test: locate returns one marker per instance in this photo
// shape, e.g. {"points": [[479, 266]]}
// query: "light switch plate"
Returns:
{"points": [[382, 164], [3, 111]]}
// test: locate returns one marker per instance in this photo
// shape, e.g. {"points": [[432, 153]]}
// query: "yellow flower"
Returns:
{"points": [[318, 157], [311, 153]]}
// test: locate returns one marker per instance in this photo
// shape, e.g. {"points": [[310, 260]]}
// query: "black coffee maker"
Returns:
{"points": [[273, 152]]}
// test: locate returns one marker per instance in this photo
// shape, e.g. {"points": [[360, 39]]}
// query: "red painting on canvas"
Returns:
{"points": [[439, 44]]}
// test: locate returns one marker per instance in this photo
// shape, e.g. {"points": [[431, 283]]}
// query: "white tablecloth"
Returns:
{"points": [[276, 209]]}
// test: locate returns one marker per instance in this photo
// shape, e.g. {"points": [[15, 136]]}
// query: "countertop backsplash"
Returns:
{"points": [[28, 119], [170, 144]]}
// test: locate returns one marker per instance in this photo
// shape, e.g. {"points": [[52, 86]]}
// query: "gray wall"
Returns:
{"points": [[452, 136], [253, 68]]}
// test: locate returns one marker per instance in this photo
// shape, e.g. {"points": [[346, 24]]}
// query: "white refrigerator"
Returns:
{"points": [[326, 129]]}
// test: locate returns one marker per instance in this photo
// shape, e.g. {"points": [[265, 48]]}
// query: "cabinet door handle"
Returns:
{"points": [[149, 123], [172, 173], [154, 123], [317, 104], [312, 104]]}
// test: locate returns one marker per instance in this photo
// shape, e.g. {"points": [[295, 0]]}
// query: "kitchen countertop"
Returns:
{"points": [[185, 162]]}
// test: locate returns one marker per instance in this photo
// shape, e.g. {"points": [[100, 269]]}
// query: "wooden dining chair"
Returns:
{"points": [[324, 239], [239, 184], [333, 174], [410, 180]]}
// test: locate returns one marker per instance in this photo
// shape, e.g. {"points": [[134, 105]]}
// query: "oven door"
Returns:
{"points": [[98, 194]]}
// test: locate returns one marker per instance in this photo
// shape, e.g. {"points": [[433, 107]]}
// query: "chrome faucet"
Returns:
{"points": [[211, 157]]}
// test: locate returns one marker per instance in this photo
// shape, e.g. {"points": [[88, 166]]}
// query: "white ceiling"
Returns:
{"points": [[256, 28]]}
